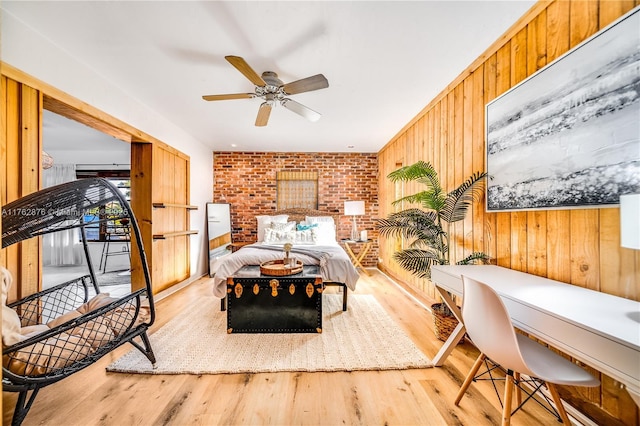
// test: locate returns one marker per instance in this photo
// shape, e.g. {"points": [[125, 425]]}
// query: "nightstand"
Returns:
{"points": [[362, 248]]}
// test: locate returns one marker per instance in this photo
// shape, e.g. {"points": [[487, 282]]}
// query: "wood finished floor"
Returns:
{"points": [[405, 397]]}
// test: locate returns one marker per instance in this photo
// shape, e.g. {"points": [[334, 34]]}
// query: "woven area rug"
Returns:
{"points": [[196, 342], [106, 279]]}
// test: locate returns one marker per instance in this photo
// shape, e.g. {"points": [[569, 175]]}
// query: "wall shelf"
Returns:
{"points": [[180, 206], [173, 234]]}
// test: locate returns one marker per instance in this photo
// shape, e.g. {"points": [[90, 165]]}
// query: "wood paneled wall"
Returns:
{"points": [[581, 246], [162, 174], [20, 157]]}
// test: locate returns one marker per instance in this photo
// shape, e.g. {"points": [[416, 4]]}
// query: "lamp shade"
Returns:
{"points": [[630, 221], [354, 208]]}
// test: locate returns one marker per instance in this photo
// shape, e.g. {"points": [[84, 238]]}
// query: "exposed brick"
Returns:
{"points": [[247, 180]]}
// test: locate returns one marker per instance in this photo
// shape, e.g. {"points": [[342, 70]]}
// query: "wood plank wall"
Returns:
{"points": [[581, 246], [160, 174], [171, 187], [20, 151]]}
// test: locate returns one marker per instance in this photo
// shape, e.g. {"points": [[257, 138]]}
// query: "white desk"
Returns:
{"points": [[599, 329]]}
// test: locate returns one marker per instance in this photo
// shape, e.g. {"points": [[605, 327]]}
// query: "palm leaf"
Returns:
{"points": [[420, 171], [459, 200], [410, 223], [475, 257], [432, 200], [418, 262]]}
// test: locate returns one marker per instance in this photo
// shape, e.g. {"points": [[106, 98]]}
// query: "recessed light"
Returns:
{"points": [[233, 145], [350, 146]]}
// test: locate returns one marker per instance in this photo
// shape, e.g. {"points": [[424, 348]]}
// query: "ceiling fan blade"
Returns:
{"points": [[306, 84], [246, 70], [229, 96], [300, 109], [263, 114]]}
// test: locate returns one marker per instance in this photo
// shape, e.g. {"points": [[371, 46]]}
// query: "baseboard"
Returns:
{"points": [[420, 298], [177, 287]]}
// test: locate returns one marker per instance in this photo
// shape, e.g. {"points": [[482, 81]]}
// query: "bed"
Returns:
{"points": [[312, 234]]}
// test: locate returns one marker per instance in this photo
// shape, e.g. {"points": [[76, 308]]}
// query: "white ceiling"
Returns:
{"points": [[385, 60]]}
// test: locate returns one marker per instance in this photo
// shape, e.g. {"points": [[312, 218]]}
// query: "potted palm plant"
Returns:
{"points": [[427, 228]]}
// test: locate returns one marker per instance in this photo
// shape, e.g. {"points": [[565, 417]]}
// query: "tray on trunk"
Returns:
{"points": [[279, 269]]}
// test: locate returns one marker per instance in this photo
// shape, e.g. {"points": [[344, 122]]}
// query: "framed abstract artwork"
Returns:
{"points": [[569, 135]]}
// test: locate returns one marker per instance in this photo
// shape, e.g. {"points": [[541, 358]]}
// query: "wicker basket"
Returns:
{"points": [[278, 269], [443, 325]]}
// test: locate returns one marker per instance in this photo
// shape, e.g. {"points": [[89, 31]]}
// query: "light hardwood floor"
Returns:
{"points": [[405, 397]]}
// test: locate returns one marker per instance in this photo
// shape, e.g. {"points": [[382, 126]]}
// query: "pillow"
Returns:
{"points": [[318, 219], [326, 229], [10, 320], [303, 226], [288, 226], [272, 236], [264, 221], [307, 236], [326, 233]]}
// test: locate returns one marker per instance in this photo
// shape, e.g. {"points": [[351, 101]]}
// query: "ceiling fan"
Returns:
{"points": [[273, 91]]}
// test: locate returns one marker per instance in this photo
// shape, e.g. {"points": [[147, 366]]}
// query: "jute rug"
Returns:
{"points": [[196, 342]]}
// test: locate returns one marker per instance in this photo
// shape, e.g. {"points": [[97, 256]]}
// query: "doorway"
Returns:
{"points": [[77, 151]]}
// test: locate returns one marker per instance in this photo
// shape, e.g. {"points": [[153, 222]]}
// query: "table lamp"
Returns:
{"points": [[630, 221], [353, 209]]}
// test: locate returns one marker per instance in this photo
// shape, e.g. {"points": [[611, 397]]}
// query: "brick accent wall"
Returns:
{"points": [[247, 180]]}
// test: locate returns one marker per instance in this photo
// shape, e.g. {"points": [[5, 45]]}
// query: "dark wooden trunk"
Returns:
{"points": [[259, 303]]}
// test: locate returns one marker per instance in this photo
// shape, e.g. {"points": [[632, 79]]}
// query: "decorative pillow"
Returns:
{"points": [[326, 229], [96, 302], [307, 236], [303, 226], [271, 236], [10, 320], [265, 221], [288, 226]]}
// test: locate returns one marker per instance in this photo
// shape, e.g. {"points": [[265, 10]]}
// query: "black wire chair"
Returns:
{"points": [[72, 345]]}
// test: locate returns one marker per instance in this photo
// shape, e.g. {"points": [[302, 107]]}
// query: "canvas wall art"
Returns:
{"points": [[569, 135]]}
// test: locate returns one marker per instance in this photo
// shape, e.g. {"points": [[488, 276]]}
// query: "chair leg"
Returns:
{"points": [[508, 393], [559, 406], [469, 378], [516, 375]]}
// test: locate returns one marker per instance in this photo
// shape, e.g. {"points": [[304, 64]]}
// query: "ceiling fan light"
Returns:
{"points": [[270, 99]]}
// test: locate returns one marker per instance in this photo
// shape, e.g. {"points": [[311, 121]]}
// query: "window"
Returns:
{"points": [[297, 190], [110, 229]]}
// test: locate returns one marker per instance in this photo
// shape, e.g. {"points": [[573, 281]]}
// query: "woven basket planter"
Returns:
{"points": [[443, 324]]}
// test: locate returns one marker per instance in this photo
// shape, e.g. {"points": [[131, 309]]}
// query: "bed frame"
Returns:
{"points": [[298, 214]]}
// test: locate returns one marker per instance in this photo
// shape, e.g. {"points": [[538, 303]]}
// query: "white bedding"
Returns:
{"points": [[337, 268]]}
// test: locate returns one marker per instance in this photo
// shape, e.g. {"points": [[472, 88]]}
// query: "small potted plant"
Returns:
{"points": [[426, 229]]}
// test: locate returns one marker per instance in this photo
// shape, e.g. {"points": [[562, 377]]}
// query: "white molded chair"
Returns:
{"points": [[489, 326]]}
